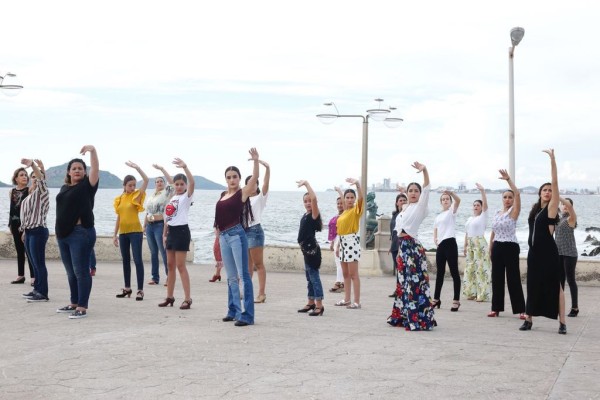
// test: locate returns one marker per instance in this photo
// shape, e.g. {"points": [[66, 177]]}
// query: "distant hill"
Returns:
{"points": [[201, 183], [55, 176], [2, 184]]}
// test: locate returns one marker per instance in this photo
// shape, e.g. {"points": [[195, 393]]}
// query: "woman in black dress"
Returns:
{"points": [[545, 295], [21, 181]]}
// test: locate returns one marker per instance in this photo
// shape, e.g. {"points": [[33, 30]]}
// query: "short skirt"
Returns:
{"points": [[179, 238], [256, 236], [349, 248]]}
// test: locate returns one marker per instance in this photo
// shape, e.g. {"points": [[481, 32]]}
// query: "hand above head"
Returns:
{"points": [[400, 188], [26, 162], [87, 148], [264, 163], [550, 152], [504, 175], [131, 164], [479, 187], [159, 167], [302, 183], [337, 189], [253, 154], [418, 166], [40, 164], [353, 181], [179, 163]]}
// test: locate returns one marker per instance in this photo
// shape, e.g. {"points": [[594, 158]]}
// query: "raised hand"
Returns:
{"points": [[40, 165], [131, 164], [504, 175], [87, 148], [26, 162], [353, 181], [301, 183], [550, 152], [400, 188], [264, 163], [418, 166], [159, 167], [179, 163], [253, 154], [479, 187]]}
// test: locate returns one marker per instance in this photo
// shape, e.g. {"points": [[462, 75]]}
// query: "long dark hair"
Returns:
{"points": [[246, 182], [75, 160], [247, 217], [395, 213], [537, 206]]}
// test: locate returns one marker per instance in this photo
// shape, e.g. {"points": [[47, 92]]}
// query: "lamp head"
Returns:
{"points": [[516, 35]]}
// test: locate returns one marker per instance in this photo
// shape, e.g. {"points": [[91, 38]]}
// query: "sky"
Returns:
{"points": [[148, 81]]}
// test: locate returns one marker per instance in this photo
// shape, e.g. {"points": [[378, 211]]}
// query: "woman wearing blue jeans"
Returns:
{"points": [[154, 222], [232, 214], [75, 229]]}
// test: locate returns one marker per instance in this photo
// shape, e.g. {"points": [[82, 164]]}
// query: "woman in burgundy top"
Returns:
{"points": [[232, 215]]}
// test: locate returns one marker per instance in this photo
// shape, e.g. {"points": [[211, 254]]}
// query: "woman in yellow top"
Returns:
{"points": [[130, 233], [348, 248]]}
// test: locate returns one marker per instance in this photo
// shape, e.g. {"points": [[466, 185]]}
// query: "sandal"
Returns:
{"points": [[354, 306], [342, 303], [338, 287]]}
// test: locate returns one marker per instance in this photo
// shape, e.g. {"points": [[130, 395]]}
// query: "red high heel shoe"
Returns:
{"points": [[215, 278]]}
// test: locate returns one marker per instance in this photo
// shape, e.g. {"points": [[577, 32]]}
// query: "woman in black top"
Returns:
{"points": [[309, 224], [75, 230], [20, 179], [401, 200]]}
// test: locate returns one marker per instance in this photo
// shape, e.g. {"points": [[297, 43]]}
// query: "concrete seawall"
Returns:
{"points": [[289, 258]]}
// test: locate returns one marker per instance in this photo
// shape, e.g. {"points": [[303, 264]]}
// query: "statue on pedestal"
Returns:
{"points": [[371, 220]]}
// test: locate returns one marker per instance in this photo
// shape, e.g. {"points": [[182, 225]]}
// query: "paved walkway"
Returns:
{"points": [[129, 349]]}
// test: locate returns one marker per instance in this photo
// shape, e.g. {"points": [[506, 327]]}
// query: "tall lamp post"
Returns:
{"points": [[516, 35], [9, 90], [378, 114]]}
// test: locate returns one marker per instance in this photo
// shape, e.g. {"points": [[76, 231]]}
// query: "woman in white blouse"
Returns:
{"points": [[478, 270], [444, 236]]}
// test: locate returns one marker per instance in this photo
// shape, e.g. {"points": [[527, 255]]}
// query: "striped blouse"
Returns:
{"points": [[34, 208]]}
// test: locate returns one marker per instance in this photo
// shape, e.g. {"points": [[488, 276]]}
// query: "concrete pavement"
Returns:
{"points": [[129, 349]]}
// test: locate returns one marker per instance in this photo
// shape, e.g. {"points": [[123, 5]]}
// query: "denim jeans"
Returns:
{"points": [[234, 250], [93, 259], [315, 288], [154, 237], [133, 240], [75, 254], [35, 245]]}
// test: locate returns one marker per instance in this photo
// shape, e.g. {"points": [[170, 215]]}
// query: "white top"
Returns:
{"points": [[258, 203], [475, 226], [409, 219], [504, 227], [157, 202], [445, 222], [176, 212]]}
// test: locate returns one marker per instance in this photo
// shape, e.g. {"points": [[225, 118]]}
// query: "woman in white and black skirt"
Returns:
{"points": [[348, 249], [176, 235]]}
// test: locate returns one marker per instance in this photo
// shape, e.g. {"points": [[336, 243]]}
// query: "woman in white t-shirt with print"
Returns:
{"points": [[477, 278], [444, 236], [176, 235], [256, 235]]}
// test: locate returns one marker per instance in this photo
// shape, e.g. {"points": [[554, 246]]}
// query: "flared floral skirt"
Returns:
{"points": [[477, 278]]}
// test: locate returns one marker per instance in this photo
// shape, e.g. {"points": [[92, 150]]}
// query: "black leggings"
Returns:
{"points": [[20, 246], [505, 257], [568, 268], [447, 251]]}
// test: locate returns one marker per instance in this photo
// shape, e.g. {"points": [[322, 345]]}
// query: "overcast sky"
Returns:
{"points": [[148, 81]]}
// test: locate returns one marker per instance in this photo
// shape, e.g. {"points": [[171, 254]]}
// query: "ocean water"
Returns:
{"points": [[281, 218]]}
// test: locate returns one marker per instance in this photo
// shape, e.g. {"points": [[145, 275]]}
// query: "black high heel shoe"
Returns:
{"points": [[315, 313], [526, 326], [455, 306], [562, 329], [125, 293], [307, 308], [18, 281], [168, 302], [574, 312], [140, 295], [436, 303]]}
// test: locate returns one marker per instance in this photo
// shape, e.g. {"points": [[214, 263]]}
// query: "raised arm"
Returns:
{"points": [[422, 168], [267, 178], [481, 189], [30, 163], [455, 198], [94, 163], [516, 209], [248, 190], [165, 173], [554, 200], [179, 163], [571, 210], [313, 198], [360, 191], [142, 174]]}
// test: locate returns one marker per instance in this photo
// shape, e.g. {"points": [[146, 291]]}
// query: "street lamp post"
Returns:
{"points": [[516, 35], [378, 114], [9, 90]]}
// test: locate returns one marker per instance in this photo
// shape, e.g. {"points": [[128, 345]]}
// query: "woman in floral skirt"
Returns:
{"points": [[478, 271], [412, 306]]}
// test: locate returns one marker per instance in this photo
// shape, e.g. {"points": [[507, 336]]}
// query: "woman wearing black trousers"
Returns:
{"points": [[504, 252], [21, 181], [444, 236]]}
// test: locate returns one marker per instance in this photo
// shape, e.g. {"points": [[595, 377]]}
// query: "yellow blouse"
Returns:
{"points": [[127, 206], [347, 223]]}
